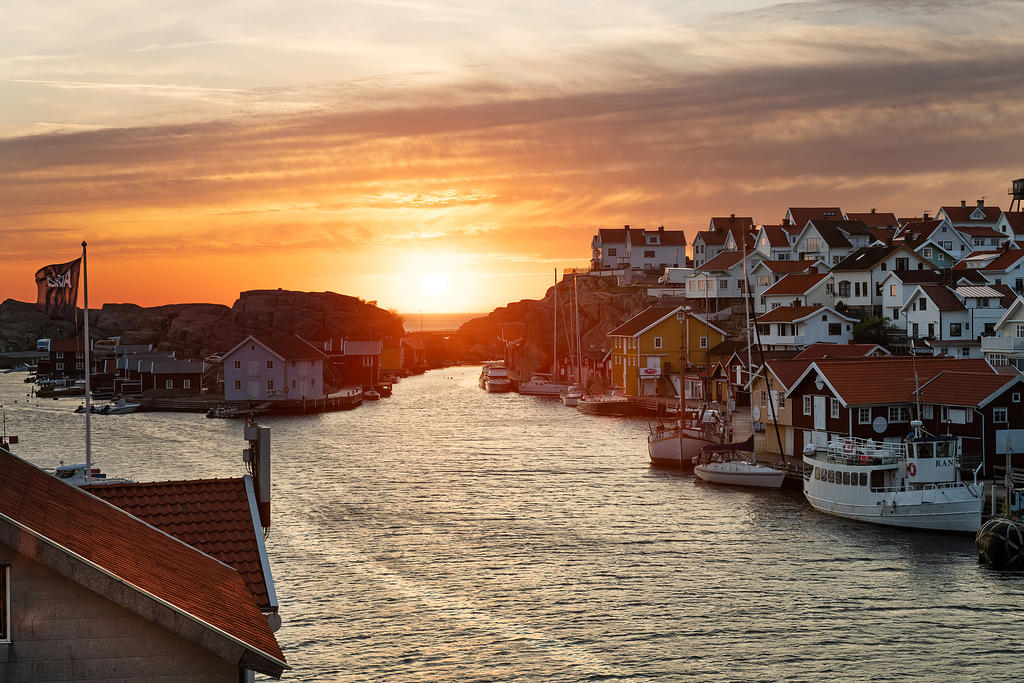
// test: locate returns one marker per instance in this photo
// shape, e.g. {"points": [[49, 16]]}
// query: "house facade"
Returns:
{"points": [[274, 368], [1006, 345], [831, 241], [656, 343], [858, 278], [798, 289], [795, 327], [953, 319], [631, 248]]}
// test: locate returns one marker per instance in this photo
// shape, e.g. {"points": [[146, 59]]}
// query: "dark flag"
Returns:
{"points": [[58, 289]]}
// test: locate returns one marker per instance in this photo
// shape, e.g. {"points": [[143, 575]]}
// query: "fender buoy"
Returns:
{"points": [[911, 469]]}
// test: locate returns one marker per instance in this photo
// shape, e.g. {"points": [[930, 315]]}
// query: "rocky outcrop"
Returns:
{"points": [[196, 330], [602, 307]]}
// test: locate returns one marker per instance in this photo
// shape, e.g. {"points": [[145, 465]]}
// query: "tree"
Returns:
{"points": [[873, 331]]}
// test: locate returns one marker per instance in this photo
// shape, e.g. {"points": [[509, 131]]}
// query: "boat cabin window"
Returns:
{"points": [[831, 476], [817, 473], [65, 474], [925, 450], [863, 478], [846, 478]]}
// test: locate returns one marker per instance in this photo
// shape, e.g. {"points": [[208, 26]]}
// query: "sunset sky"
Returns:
{"points": [[446, 156]]}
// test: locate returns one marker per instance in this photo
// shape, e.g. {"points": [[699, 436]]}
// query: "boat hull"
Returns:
{"points": [[535, 389], [570, 401], [615, 408], [950, 507], [737, 473], [670, 449]]}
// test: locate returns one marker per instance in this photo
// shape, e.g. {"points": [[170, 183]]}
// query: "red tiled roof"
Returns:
{"points": [[138, 554], [641, 321], [943, 297], [1005, 260], [867, 258], [789, 314], [723, 261], [291, 347], [730, 222], [962, 214], [794, 284], [883, 234], [918, 276], [873, 219], [711, 237], [963, 388], [978, 231], [1016, 220], [212, 515], [820, 350], [918, 229], [777, 235], [788, 370], [802, 214], [875, 381], [788, 266], [612, 235], [669, 238]]}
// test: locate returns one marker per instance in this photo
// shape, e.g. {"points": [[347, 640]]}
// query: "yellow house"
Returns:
{"points": [[655, 343]]}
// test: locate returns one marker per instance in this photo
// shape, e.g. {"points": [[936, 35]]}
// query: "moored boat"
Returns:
{"points": [[571, 396], [613, 403], [737, 471], [677, 444], [494, 378], [75, 475], [915, 483], [371, 395], [541, 384]]}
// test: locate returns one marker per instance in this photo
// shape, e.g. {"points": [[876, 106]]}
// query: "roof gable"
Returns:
{"points": [[796, 284]]}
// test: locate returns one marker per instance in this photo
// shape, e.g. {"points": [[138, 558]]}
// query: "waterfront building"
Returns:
{"points": [[274, 368], [795, 327], [357, 361], [90, 591], [768, 389], [1005, 347], [876, 398], [66, 358], [656, 343], [169, 377]]}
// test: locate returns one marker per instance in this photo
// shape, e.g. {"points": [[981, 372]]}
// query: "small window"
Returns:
{"points": [[168, 384], [817, 473], [835, 329], [79, 366], [238, 385], [927, 412], [60, 366], [999, 415], [897, 414], [293, 384], [367, 362], [846, 478], [270, 364], [657, 342], [186, 384], [807, 405], [252, 347], [60, 354], [863, 478], [833, 407], [312, 381], [1015, 397], [831, 476], [293, 364], [782, 400], [270, 385], [703, 342], [764, 399], [238, 365], [955, 329], [863, 416]]}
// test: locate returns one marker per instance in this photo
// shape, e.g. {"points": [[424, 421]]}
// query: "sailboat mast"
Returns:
{"points": [[554, 334], [88, 410], [576, 317]]}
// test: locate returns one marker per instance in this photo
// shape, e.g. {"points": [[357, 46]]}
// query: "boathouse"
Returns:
{"points": [[274, 368]]}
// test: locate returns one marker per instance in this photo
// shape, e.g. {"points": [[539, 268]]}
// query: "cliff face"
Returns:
{"points": [[602, 307], [196, 330]]}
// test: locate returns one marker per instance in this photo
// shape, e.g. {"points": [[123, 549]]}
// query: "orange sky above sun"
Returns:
{"points": [[447, 156]]}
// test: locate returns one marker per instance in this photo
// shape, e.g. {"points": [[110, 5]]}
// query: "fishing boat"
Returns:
{"points": [[541, 384], [677, 443], [612, 403], [571, 396], [915, 483], [494, 378]]}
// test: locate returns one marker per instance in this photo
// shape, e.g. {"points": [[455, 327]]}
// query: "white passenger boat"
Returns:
{"points": [[915, 483], [541, 384]]}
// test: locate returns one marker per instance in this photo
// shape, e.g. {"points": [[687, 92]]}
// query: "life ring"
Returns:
{"points": [[911, 469], [848, 447]]}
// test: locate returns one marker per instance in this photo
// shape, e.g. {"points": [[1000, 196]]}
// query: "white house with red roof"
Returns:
{"points": [[858, 278], [800, 215], [1011, 224], [952, 319], [721, 277], [274, 368], [633, 248], [874, 218], [88, 591], [795, 327], [1002, 267], [897, 287], [798, 289], [936, 241], [831, 241], [1006, 345], [964, 215], [768, 272], [775, 242]]}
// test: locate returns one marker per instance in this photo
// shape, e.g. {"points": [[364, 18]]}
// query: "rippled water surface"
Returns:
{"points": [[450, 534]]}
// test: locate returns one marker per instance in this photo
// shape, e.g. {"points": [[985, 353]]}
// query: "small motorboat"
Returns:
{"points": [[121, 407], [75, 475], [371, 395], [571, 396]]}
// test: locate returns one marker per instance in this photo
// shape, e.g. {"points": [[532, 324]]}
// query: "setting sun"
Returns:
{"points": [[435, 284]]}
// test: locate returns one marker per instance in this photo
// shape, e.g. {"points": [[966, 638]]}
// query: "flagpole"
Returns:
{"points": [[88, 409]]}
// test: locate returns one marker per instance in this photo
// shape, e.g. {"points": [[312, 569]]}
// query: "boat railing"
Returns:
{"points": [[859, 451], [926, 487]]}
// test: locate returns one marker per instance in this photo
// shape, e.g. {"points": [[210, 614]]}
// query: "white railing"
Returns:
{"points": [[853, 450], [1002, 343]]}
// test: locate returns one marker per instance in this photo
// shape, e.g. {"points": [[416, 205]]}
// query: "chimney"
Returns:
{"points": [[963, 203], [627, 226], [926, 217], [981, 203], [813, 270], [661, 228], [872, 209], [731, 216], [796, 303]]}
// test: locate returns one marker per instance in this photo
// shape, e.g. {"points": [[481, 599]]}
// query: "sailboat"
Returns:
{"points": [[724, 465], [543, 384]]}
